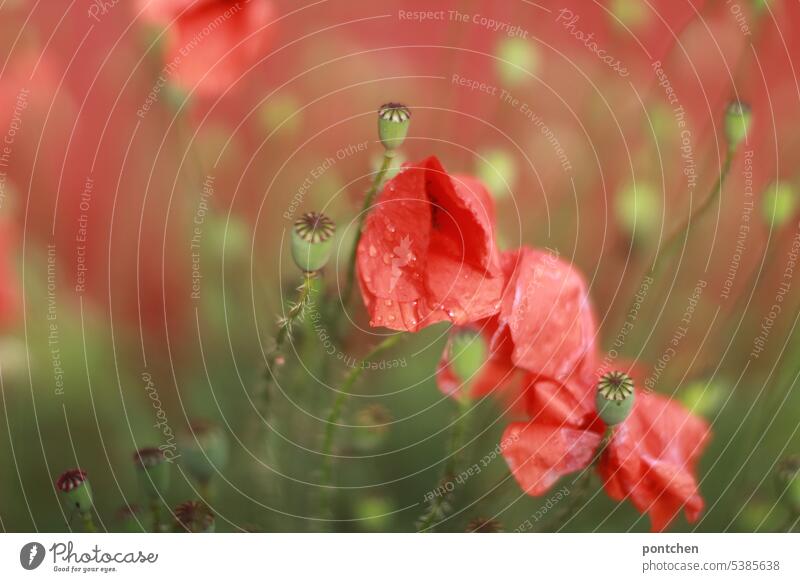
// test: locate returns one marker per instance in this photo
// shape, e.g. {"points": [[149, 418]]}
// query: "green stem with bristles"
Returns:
{"points": [[388, 156]]}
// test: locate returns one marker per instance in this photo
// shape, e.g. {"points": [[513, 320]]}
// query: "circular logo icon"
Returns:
{"points": [[31, 555]]}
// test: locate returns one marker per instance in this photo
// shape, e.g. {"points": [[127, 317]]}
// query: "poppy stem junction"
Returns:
{"points": [[335, 414]]}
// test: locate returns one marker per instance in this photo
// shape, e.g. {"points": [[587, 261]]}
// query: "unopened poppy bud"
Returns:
{"points": [[74, 486], [615, 396], [638, 209], [393, 122], [788, 472], [779, 203], [738, 119], [374, 513], [312, 241], [498, 172], [204, 450], [467, 354], [517, 61], [194, 517], [152, 470], [484, 525]]}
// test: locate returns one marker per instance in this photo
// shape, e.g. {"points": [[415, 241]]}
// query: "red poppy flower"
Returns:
{"points": [[650, 459], [427, 252], [544, 329], [211, 43]]}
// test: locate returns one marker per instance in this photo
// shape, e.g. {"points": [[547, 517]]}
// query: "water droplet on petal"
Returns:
{"points": [[391, 318], [388, 303], [372, 251], [386, 258]]}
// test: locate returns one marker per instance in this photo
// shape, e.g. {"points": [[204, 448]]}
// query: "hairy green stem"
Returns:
{"points": [[335, 413], [368, 199], [683, 228], [286, 323], [440, 505]]}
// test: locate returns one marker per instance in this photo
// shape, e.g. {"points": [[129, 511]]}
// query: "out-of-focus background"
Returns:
{"points": [[154, 156]]}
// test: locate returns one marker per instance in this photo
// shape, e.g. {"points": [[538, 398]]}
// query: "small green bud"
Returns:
{"points": [[484, 525], [74, 485], [615, 396], [281, 114], [374, 513], [312, 241], [517, 59], [703, 397], [788, 473], [638, 209], [779, 203], [194, 517], [630, 13], [738, 119], [152, 470], [204, 450], [468, 353], [498, 172], [393, 122]]}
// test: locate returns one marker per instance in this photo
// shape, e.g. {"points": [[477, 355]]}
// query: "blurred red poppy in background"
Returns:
{"points": [[211, 43]]}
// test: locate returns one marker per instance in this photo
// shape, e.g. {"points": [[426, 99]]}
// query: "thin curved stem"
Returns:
{"points": [[335, 414], [368, 199]]}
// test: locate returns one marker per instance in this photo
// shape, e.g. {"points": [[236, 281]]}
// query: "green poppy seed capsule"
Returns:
{"points": [[779, 203], [194, 517], [74, 486], [468, 352], [738, 119], [393, 122], [204, 450], [152, 470], [615, 396], [312, 241]]}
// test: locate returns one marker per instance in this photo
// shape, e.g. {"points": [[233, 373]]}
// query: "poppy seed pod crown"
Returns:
{"points": [[74, 485], [312, 241], [393, 122], [615, 397]]}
